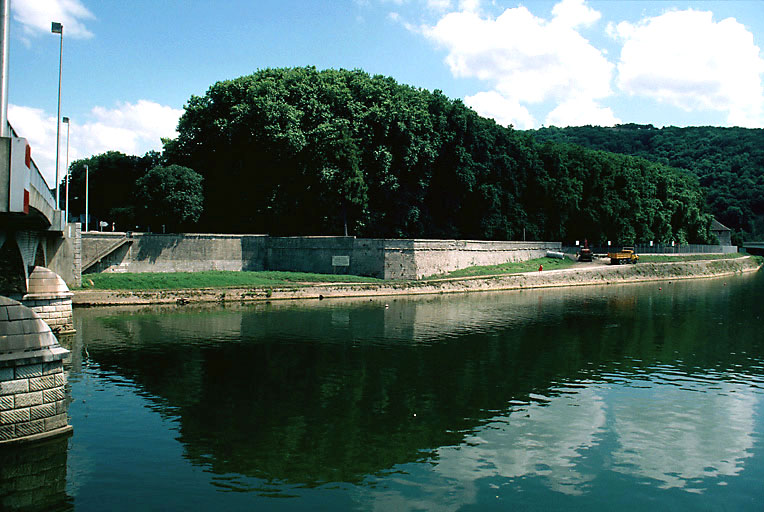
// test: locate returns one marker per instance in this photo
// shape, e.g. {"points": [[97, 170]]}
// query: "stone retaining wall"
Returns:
{"points": [[388, 259], [585, 275], [147, 252]]}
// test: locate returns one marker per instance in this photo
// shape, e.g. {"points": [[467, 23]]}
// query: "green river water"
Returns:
{"points": [[631, 397]]}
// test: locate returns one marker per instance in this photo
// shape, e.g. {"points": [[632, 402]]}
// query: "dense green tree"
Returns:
{"points": [[169, 196], [340, 177], [299, 151], [118, 189], [729, 162], [111, 178]]}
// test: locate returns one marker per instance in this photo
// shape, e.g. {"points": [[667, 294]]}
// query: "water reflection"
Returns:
{"points": [[33, 476], [565, 388], [685, 432], [546, 438]]}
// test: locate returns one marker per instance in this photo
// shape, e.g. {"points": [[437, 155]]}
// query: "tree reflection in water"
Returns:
{"points": [[655, 385]]}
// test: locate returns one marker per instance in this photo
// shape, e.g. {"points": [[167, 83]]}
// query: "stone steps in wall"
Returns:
{"points": [[106, 252]]}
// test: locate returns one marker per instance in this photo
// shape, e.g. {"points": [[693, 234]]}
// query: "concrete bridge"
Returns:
{"points": [[32, 238], [32, 231], [32, 241], [754, 248]]}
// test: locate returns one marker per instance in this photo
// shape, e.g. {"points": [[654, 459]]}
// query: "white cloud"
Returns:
{"points": [[505, 111], [39, 128], [397, 18], [574, 13], [439, 5], [129, 128], [686, 59], [580, 112], [527, 59], [469, 5], [36, 16]]}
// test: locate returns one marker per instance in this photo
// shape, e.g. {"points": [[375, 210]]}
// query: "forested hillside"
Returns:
{"points": [[729, 162], [297, 151]]}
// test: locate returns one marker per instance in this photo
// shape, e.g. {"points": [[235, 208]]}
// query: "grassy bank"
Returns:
{"points": [[509, 268], [481, 280], [226, 279], [211, 279]]}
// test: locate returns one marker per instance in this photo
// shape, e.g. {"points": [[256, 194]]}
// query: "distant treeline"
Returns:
{"points": [[729, 162], [297, 151]]}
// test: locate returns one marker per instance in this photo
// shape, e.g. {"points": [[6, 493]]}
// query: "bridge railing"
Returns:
{"points": [[684, 249], [37, 180], [663, 249]]}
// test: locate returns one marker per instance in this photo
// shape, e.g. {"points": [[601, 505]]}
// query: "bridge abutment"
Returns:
{"points": [[25, 258]]}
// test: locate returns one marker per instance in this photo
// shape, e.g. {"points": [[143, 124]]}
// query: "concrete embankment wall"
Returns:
{"points": [[389, 259], [587, 275], [174, 253]]}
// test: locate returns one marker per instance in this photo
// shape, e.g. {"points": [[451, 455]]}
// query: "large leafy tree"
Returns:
{"points": [[300, 151], [135, 192], [111, 179], [170, 196], [341, 184]]}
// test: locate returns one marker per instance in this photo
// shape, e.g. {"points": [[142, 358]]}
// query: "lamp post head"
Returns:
{"points": [[65, 120], [57, 28]]}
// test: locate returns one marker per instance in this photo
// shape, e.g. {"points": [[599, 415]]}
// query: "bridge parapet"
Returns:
{"points": [[23, 190]]}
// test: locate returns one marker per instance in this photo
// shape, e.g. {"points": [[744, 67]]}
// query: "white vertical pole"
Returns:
{"points": [[66, 207], [57, 28], [87, 212], [5, 37]]}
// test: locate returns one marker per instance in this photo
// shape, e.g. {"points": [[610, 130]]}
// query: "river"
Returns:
{"points": [[632, 397]]}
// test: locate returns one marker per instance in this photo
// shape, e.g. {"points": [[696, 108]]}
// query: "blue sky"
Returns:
{"points": [[129, 67]]}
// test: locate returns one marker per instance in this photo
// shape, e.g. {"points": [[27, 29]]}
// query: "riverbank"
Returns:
{"points": [[580, 275]]}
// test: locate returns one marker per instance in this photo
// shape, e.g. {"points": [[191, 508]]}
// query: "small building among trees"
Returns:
{"points": [[722, 232]]}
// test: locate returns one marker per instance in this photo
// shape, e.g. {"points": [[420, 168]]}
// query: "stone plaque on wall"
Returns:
{"points": [[340, 261]]}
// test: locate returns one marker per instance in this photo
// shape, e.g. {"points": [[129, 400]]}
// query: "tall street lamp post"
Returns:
{"points": [[87, 191], [66, 207], [58, 28]]}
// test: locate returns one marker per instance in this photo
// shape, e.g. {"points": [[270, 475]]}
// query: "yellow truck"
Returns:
{"points": [[626, 255]]}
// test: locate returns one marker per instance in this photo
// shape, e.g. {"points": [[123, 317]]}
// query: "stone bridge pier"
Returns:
{"points": [[32, 380], [28, 264]]}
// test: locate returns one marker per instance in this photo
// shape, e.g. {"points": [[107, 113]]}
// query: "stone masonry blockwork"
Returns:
{"points": [[32, 379], [382, 258], [33, 405]]}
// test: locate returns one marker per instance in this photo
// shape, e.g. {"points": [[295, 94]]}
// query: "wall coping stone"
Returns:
{"points": [[33, 356], [67, 430], [48, 296]]}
